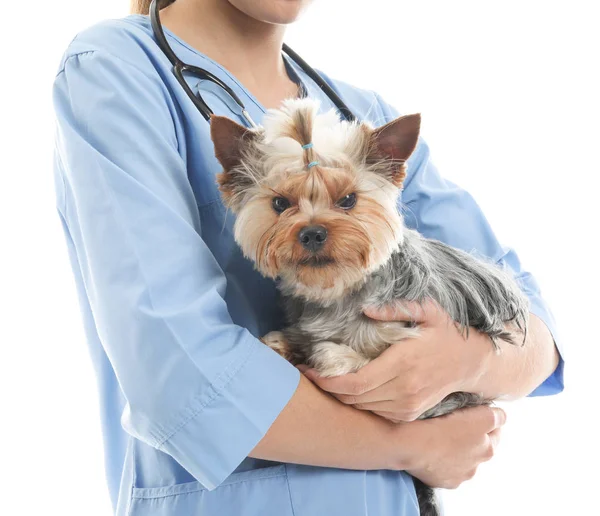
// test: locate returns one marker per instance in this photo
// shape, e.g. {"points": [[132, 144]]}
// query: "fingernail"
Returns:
{"points": [[500, 416]]}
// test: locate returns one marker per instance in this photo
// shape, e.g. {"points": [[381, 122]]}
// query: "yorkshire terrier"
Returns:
{"points": [[316, 200]]}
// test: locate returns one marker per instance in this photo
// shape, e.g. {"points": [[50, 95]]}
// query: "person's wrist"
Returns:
{"points": [[479, 353], [402, 454]]}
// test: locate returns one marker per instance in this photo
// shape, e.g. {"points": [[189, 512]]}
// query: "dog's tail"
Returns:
{"points": [[428, 505]]}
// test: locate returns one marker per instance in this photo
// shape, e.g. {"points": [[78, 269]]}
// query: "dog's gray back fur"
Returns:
{"points": [[474, 292]]}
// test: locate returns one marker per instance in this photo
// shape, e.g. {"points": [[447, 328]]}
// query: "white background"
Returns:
{"points": [[509, 96]]}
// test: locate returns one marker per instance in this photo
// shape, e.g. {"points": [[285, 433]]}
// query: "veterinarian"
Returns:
{"points": [[199, 417]]}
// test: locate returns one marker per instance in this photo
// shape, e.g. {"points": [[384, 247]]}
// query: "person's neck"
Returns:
{"points": [[249, 49]]}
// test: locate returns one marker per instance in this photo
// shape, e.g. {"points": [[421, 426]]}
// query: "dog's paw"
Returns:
{"points": [[332, 359], [277, 342], [392, 332]]}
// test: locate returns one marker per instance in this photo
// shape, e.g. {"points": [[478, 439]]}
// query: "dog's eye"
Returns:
{"points": [[348, 202], [280, 204]]}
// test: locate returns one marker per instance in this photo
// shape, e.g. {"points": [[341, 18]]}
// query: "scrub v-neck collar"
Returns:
{"points": [[293, 73]]}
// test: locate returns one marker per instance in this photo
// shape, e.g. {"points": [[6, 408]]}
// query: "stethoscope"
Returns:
{"points": [[179, 67]]}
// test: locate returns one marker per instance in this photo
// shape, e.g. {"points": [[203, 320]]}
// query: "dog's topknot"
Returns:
{"points": [[298, 124]]}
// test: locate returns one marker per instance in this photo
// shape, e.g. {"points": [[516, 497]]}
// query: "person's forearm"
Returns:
{"points": [[517, 370], [316, 429]]}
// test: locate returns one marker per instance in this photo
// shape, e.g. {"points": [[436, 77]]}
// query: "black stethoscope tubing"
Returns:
{"points": [[179, 67]]}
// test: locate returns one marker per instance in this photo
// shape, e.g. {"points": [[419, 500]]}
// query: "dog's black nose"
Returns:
{"points": [[312, 237]]}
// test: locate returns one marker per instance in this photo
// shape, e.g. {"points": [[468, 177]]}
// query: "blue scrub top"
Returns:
{"points": [[172, 310]]}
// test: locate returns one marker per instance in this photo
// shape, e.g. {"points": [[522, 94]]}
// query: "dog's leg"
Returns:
{"points": [[394, 332], [332, 359], [455, 401], [277, 342], [371, 338]]}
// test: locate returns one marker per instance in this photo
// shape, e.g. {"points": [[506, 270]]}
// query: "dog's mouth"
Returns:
{"points": [[316, 262]]}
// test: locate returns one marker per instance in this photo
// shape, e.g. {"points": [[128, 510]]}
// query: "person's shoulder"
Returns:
{"points": [[127, 39]]}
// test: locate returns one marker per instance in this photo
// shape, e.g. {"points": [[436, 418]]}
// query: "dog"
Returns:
{"points": [[316, 201]]}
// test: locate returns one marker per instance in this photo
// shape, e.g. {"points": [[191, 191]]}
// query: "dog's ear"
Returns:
{"points": [[232, 143], [393, 144]]}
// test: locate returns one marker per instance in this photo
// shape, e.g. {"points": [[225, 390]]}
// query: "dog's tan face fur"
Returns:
{"points": [[276, 190]]}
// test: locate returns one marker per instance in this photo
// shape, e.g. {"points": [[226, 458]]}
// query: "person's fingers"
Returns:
{"points": [[380, 406], [499, 417], [302, 368], [409, 311], [390, 416], [490, 417], [481, 418], [376, 373], [386, 392], [396, 311], [354, 384], [494, 436]]}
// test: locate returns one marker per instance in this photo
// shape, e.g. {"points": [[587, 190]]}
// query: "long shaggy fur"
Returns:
{"points": [[369, 257], [474, 293]]}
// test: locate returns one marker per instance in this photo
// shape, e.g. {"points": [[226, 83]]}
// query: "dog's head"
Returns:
{"points": [[315, 197]]}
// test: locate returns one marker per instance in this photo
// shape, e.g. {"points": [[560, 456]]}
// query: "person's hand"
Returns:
{"points": [[415, 374], [447, 450]]}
